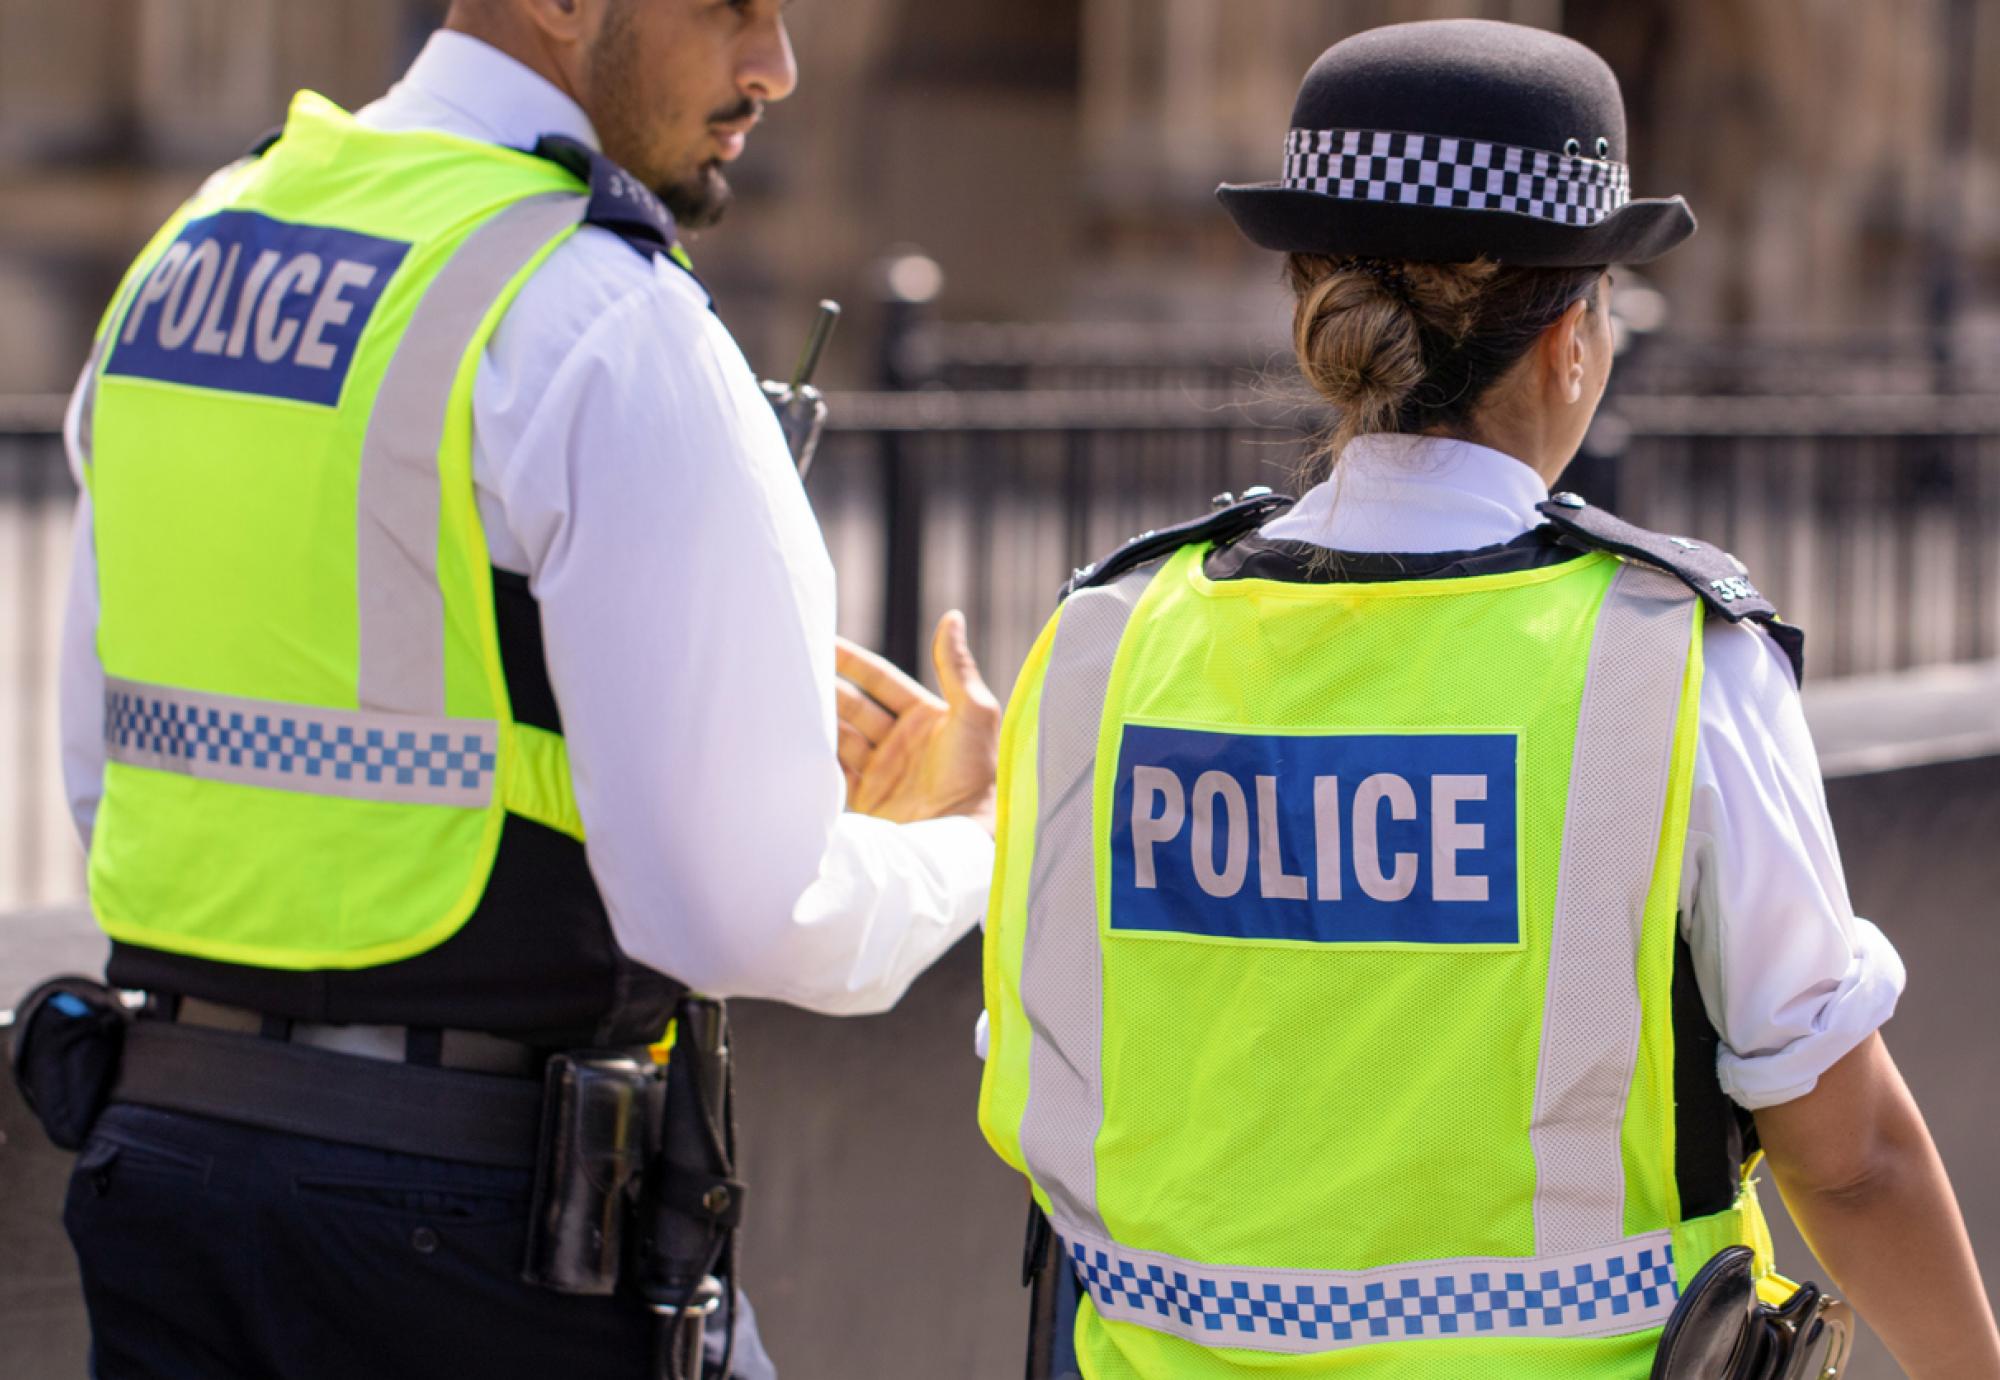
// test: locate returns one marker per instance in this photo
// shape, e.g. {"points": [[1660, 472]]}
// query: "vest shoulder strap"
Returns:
{"points": [[1231, 518], [619, 202], [1722, 581]]}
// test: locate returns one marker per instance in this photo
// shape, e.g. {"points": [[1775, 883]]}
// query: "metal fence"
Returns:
{"points": [[1872, 520], [970, 355]]}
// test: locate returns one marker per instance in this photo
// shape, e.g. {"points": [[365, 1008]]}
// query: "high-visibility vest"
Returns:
{"points": [[1329, 966], [311, 749]]}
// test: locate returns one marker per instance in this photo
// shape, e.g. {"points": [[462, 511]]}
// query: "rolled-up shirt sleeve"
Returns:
{"points": [[1791, 977], [688, 616]]}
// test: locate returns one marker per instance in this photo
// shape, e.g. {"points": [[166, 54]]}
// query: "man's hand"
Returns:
{"points": [[907, 754]]}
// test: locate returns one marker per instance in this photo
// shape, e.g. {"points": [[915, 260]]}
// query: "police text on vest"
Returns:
{"points": [[249, 304], [1346, 838]]}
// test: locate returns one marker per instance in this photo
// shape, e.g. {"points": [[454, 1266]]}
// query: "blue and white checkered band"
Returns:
{"points": [[1627, 1287], [293, 747], [1431, 170]]}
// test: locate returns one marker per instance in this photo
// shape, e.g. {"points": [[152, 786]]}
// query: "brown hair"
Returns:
{"points": [[1409, 347]]}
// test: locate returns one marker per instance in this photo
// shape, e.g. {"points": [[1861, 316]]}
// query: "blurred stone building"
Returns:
{"points": [[1057, 156]]}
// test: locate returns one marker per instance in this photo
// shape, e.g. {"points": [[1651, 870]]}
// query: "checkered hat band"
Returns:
{"points": [[292, 747], [1627, 1286], [1431, 170]]}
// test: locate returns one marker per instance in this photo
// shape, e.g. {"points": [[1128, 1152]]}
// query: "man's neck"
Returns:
{"points": [[504, 28]]}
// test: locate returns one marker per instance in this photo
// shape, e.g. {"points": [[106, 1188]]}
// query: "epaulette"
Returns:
{"points": [[1719, 578], [1230, 518], [619, 202]]}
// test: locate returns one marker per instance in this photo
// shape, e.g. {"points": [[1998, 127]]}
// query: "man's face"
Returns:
{"points": [[673, 87]]}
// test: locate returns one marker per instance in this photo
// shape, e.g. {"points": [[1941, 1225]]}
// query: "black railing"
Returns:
{"points": [[1873, 521], [1098, 355]]}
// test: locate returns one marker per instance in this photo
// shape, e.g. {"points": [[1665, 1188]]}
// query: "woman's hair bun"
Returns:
{"points": [[1358, 338], [1409, 346]]}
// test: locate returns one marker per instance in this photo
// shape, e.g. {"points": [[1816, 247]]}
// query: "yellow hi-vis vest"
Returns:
{"points": [[1329, 963], [311, 749]]}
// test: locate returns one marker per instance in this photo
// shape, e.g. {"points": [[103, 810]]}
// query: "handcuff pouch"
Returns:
{"points": [[1721, 1330]]}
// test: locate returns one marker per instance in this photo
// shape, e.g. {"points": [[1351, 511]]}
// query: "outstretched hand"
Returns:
{"points": [[906, 753]]}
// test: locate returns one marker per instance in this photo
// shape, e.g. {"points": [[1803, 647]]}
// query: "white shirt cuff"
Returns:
{"points": [[962, 852], [1864, 999]]}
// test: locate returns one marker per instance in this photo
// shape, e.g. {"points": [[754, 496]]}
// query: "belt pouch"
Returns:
{"points": [[68, 1034], [1720, 1330], [693, 1202], [595, 1109]]}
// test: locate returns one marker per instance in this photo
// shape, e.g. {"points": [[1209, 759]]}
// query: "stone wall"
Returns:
{"points": [[1057, 157]]}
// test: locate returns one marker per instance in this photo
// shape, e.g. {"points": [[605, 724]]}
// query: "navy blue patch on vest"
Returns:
{"points": [[1363, 838], [249, 304]]}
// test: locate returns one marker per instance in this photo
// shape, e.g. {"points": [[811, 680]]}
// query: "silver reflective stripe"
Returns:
{"points": [[292, 747], [1061, 965], [1625, 1286], [1611, 835], [401, 610], [86, 407]]}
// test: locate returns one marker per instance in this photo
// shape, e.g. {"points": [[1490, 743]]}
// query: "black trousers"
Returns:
{"points": [[213, 1251]]}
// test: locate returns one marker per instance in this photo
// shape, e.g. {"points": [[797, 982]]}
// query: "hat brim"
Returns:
{"points": [[1294, 221]]}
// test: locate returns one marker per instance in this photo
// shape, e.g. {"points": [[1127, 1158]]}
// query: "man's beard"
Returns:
{"points": [[697, 198], [699, 201]]}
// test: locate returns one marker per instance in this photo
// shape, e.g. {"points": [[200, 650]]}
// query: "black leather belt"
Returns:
{"points": [[283, 1085], [452, 1049]]}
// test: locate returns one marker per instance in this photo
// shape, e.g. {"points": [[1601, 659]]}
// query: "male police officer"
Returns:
{"points": [[449, 679]]}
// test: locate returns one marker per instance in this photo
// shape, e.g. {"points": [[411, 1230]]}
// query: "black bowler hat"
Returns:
{"points": [[1451, 139]]}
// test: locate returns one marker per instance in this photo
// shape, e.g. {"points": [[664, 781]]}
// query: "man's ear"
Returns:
{"points": [[565, 22], [561, 23], [538, 23], [1563, 349]]}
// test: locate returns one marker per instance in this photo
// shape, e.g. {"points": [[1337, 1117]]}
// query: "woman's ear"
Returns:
{"points": [[1565, 352]]}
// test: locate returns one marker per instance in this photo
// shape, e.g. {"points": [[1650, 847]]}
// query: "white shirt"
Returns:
{"points": [[1791, 978], [627, 463]]}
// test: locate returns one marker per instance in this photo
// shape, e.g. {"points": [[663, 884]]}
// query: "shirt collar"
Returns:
{"points": [[470, 88], [1415, 493]]}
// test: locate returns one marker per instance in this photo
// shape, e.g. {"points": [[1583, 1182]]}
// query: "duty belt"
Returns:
{"points": [[304, 1088]]}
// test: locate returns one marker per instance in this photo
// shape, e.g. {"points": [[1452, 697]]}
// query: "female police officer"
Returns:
{"points": [[1401, 905]]}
